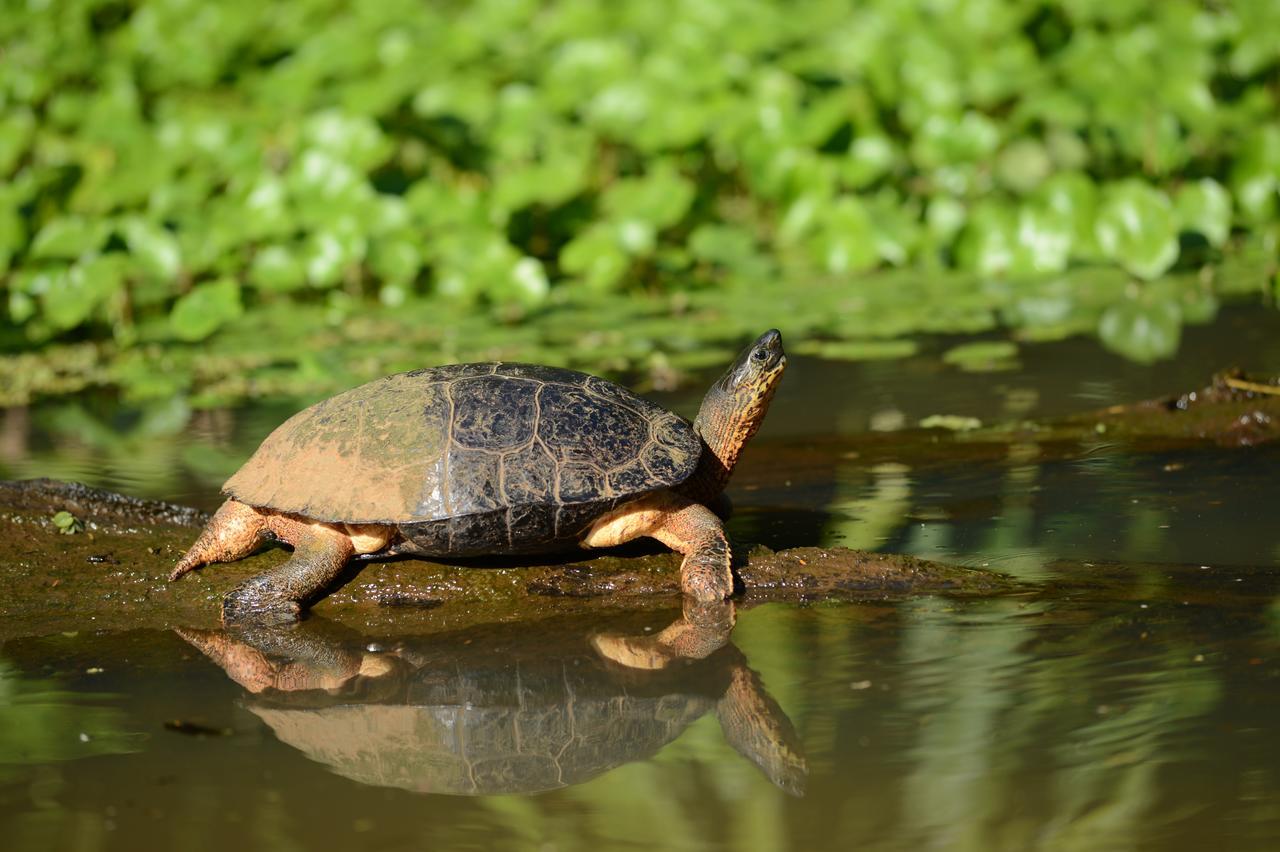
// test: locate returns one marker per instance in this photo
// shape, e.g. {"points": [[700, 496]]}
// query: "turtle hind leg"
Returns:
{"points": [[234, 532], [320, 552]]}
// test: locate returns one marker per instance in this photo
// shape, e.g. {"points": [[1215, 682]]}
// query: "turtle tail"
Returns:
{"points": [[233, 533]]}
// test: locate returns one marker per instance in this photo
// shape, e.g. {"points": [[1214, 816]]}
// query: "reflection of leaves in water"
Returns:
{"points": [[865, 521], [992, 704], [41, 724], [1107, 789]]}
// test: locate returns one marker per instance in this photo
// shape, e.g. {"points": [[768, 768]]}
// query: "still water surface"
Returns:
{"points": [[1129, 700]]}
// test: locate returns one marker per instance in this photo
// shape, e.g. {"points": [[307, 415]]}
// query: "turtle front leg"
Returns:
{"points": [[319, 555], [701, 630], [695, 531], [684, 526]]}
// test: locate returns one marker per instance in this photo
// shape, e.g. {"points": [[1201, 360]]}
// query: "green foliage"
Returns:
{"points": [[983, 356], [201, 312], [67, 523], [166, 174]]}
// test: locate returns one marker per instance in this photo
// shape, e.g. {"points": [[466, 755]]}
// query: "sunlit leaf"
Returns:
{"points": [[597, 257], [154, 247], [1205, 207], [659, 199], [73, 293], [205, 309], [983, 356], [278, 268], [70, 237], [1137, 227]]}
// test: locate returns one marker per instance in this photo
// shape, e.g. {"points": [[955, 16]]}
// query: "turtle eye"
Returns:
{"points": [[761, 354]]}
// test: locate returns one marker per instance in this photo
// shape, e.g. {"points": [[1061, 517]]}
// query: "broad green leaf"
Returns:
{"points": [[278, 268], [73, 293], [943, 140], [205, 309], [846, 239], [1043, 240], [396, 260], [660, 199], [70, 237], [1073, 196], [21, 306], [266, 208], [983, 356], [723, 244], [945, 216], [17, 128], [596, 257], [1205, 208], [1023, 165], [858, 350], [732, 248], [989, 240], [1255, 174], [871, 157], [154, 247], [329, 253], [354, 139], [13, 234], [526, 282], [1137, 228]]}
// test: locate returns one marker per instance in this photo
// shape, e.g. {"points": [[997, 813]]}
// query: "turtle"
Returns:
{"points": [[499, 709], [487, 458]]}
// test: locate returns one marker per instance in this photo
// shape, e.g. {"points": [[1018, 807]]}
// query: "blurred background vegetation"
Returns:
{"points": [[232, 199]]}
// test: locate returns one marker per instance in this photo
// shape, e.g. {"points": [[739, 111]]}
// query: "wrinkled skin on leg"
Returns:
{"points": [[686, 527], [319, 555], [320, 551], [702, 630]]}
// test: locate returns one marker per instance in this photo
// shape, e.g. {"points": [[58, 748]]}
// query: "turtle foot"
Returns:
{"points": [[706, 581], [245, 606]]}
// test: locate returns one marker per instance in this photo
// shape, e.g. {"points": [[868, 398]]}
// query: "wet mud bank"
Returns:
{"points": [[111, 574]]}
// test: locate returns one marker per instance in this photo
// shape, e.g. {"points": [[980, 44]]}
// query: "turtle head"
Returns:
{"points": [[734, 408], [755, 374]]}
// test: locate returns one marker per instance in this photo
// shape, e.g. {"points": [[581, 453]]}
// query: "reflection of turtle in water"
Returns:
{"points": [[516, 709], [493, 458]]}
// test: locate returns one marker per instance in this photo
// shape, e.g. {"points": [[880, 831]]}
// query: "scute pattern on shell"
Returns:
{"points": [[556, 724], [467, 439]]}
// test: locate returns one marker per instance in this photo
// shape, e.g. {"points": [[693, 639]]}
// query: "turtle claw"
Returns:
{"points": [[242, 606]]}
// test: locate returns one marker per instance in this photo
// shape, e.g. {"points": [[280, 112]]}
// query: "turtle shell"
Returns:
{"points": [[524, 727], [465, 452], [515, 708]]}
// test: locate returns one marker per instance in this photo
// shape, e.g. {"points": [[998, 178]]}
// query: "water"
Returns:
{"points": [[1129, 699]]}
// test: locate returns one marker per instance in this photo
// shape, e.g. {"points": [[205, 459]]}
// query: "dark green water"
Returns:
{"points": [[1130, 701]]}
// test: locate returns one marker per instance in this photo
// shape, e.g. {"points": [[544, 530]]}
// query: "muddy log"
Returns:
{"points": [[111, 574]]}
